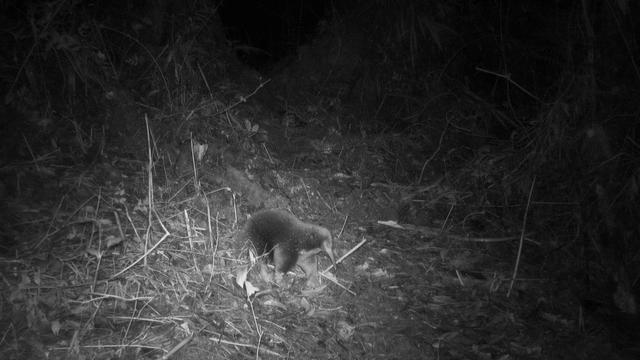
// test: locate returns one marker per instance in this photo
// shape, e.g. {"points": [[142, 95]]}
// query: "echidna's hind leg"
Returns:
{"points": [[265, 274], [279, 262]]}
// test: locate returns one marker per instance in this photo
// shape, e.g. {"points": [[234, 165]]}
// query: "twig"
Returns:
{"points": [[444, 131], [524, 225], [164, 79], [190, 236], [55, 216], [325, 202], [459, 278], [259, 341], [335, 281], [446, 220], [204, 79], [33, 155], [494, 240], [235, 208], [35, 43], [306, 190], [175, 349], [133, 311], [625, 40], [508, 78], [143, 256], [133, 226], [242, 99], [101, 296], [97, 223], [344, 223], [427, 231], [249, 346], [149, 187], [214, 248], [110, 346], [259, 331], [353, 249], [119, 224], [268, 154]]}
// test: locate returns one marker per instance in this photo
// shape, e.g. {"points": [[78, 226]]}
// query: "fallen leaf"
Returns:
{"points": [[113, 241], [345, 330], [55, 327]]}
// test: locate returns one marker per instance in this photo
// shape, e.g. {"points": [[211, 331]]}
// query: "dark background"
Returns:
{"points": [[528, 109]]}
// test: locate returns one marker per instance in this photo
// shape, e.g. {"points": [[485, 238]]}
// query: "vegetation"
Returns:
{"points": [[478, 164]]}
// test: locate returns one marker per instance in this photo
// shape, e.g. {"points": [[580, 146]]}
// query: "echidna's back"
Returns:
{"points": [[268, 228]]}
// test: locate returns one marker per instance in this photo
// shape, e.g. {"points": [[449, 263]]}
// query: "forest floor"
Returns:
{"points": [[130, 254]]}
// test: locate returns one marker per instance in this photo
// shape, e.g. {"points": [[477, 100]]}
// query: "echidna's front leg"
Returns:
{"points": [[279, 262], [309, 265]]}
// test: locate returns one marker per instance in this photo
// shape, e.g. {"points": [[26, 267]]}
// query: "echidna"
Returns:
{"points": [[288, 241]]}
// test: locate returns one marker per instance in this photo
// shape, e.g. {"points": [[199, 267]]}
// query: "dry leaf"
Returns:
{"points": [[113, 241], [94, 252], [208, 269], [241, 275], [55, 327], [312, 292], [275, 303], [250, 288], [345, 330], [104, 222], [381, 273]]}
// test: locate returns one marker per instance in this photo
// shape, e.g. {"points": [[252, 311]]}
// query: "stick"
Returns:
{"points": [[524, 225]]}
